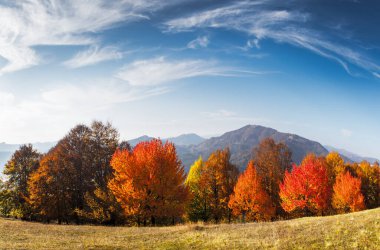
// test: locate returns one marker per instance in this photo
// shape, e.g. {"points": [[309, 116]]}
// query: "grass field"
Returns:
{"points": [[351, 231]]}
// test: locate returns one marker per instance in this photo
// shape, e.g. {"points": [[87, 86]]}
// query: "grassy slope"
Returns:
{"points": [[357, 230]]}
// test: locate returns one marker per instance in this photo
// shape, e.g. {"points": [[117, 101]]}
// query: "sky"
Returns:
{"points": [[164, 68]]}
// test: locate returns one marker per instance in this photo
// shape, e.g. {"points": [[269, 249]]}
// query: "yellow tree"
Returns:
{"points": [[198, 207], [249, 198], [218, 179], [335, 166]]}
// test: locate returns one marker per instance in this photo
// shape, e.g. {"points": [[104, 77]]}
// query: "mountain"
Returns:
{"points": [[242, 141], [353, 157], [186, 139], [136, 141]]}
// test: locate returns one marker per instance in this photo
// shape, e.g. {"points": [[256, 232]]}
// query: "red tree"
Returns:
{"points": [[306, 188], [347, 195]]}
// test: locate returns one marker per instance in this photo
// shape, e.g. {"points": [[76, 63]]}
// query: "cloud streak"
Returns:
{"points": [[28, 23], [200, 42], [93, 55], [262, 21], [158, 71]]}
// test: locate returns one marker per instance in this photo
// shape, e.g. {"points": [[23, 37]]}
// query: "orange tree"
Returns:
{"points": [[249, 198], [306, 188], [50, 187], [347, 196], [148, 182]]}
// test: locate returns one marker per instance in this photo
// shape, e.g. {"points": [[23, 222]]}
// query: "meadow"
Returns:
{"points": [[360, 230]]}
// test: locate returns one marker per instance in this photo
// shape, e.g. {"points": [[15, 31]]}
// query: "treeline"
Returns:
{"points": [[89, 177]]}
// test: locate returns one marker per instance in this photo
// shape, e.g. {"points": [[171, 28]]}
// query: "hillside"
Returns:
{"points": [[242, 141], [350, 231]]}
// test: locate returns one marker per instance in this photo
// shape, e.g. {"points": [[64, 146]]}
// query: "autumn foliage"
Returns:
{"points": [[89, 177], [148, 182], [249, 198], [306, 188], [347, 195], [271, 161], [217, 182]]}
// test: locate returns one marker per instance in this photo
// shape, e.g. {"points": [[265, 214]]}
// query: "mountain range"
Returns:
{"points": [[241, 143], [352, 156]]}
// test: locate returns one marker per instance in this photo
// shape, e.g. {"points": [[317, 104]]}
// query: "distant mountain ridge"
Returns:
{"points": [[182, 140], [241, 143], [353, 157]]}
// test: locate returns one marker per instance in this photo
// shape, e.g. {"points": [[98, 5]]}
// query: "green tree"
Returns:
{"points": [[6, 204], [18, 170]]}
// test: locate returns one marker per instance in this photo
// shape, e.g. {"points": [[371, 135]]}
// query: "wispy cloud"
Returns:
{"points": [[346, 132], [27, 23], [263, 21], [200, 42], [221, 113], [93, 55], [161, 70], [51, 106]]}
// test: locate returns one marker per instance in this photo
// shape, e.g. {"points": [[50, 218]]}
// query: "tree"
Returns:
{"points": [[347, 196], [81, 161], [18, 170], [370, 188], [124, 145], [335, 166], [306, 188], [101, 205], [51, 191], [6, 203], [249, 198], [149, 182], [218, 179], [272, 160], [198, 208]]}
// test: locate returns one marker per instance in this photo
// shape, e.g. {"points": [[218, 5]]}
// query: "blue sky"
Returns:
{"points": [[164, 68]]}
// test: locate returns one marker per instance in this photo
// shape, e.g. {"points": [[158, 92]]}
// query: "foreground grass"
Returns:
{"points": [[351, 231]]}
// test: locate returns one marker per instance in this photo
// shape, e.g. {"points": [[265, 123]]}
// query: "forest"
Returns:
{"points": [[90, 177]]}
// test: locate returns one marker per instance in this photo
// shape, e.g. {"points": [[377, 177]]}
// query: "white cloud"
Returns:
{"points": [[346, 132], [200, 42], [253, 43], [160, 70], [93, 55], [221, 113], [256, 19], [27, 23], [49, 113]]}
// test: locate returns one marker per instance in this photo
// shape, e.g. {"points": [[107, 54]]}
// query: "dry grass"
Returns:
{"points": [[351, 231]]}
